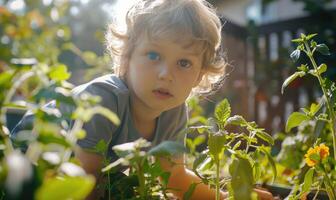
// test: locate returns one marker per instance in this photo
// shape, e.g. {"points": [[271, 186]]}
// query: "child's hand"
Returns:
{"points": [[263, 194]]}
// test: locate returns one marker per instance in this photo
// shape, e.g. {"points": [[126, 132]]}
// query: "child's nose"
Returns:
{"points": [[165, 73]]}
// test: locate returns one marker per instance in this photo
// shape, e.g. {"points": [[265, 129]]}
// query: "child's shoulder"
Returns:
{"points": [[107, 84], [111, 89]]}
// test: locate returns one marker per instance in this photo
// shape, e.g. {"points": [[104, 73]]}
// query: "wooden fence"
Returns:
{"points": [[260, 59]]}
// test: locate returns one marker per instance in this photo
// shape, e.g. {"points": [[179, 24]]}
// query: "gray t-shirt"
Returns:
{"points": [[115, 96]]}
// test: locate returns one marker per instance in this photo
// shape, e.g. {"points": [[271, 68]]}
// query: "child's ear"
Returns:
{"points": [[200, 77]]}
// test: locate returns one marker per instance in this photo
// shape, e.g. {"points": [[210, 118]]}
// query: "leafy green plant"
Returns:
{"points": [[319, 171], [145, 166], [239, 148], [46, 166]]}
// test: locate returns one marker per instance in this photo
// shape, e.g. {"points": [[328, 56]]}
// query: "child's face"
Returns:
{"points": [[161, 73]]}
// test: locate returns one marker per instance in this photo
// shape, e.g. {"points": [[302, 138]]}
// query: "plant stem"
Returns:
{"points": [[11, 93], [317, 191], [248, 144], [141, 179], [217, 179], [78, 124], [329, 187], [109, 185], [329, 106], [5, 137]]}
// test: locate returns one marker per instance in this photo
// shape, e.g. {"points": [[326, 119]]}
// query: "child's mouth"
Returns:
{"points": [[162, 93]]}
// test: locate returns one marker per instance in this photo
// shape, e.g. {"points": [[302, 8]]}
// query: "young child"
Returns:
{"points": [[170, 49]]}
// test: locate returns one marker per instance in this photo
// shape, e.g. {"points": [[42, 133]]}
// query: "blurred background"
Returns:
{"points": [[257, 38]]}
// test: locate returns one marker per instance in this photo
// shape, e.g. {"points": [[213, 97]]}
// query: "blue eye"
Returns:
{"points": [[153, 55], [184, 63]]}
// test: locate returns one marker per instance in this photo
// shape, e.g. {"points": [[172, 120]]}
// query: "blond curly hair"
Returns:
{"points": [[193, 22]]}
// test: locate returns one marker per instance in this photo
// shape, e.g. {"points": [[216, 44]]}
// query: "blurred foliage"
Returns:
{"points": [[34, 36], [36, 161], [69, 32]]}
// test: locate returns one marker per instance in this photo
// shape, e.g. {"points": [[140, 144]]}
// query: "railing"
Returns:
{"points": [[260, 56]]}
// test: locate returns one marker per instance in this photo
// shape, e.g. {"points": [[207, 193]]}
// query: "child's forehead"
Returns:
{"points": [[186, 42]]}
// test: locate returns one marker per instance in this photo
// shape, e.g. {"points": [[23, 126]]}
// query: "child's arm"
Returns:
{"points": [[92, 164], [181, 178]]}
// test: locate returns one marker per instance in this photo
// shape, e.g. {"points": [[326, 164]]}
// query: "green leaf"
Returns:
{"points": [[303, 36], [313, 44], [316, 157], [222, 112], [20, 62], [295, 119], [257, 170], [5, 78], [167, 148], [165, 177], [122, 150], [271, 161], [18, 106], [89, 57], [71, 169], [155, 169], [301, 47], [298, 40], [236, 145], [323, 49], [55, 93], [201, 129], [87, 114], [216, 145], [193, 143], [290, 79], [265, 136], [199, 160], [310, 36], [68, 46], [303, 67], [236, 120], [295, 55], [322, 68], [80, 134], [51, 138], [129, 148], [101, 147], [65, 188], [308, 181], [107, 113], [206, 164], [314, 108], [59, 73], [187, 195], [199, 140], [113, 165], [5, 83], [52, 158], [242, 178]]}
